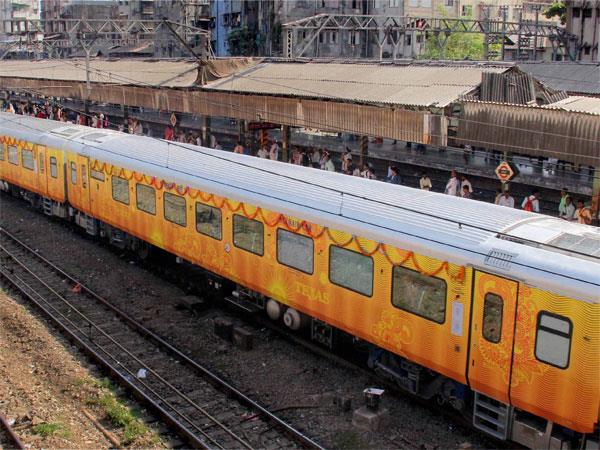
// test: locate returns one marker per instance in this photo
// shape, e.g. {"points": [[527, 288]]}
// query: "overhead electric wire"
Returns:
{"points": [[342, 193]]}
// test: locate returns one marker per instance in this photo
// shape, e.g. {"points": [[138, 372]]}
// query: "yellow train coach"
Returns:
{"points": [[491, 310]]}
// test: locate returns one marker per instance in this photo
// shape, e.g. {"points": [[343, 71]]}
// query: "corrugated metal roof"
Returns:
{"points": [[119, 71], [583, 78], [414, 84], [589, 105]]}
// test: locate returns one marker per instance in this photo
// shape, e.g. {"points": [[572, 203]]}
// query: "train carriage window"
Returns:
{"points": [[208, 220], [351, 270], [53, 167], [13, 155], [42, 162], [27, 159], [175, 210], [145, 198], [97, 175], [295, 250], [492, 317], [73, 172], [419, 294], [2, 151], [120, 189], [553, 339], [248, 234]]}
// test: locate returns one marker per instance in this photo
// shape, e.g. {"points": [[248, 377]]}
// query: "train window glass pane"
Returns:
{"points": [[208, 220], [97, 175], [351, 270], [27, 159], [120, 189], [13, 155], [419, 294], [295, 250], [73, 173], [553, 340], [492, 317], [248, 234], [145, 198], [2, 151], [53, 167], [175, 209], [42, 163]]}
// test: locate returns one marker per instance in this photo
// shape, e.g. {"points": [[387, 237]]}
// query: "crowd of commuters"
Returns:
{"points": [[318, 158]]}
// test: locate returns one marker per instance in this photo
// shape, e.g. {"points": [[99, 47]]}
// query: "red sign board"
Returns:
{"points": [[262, 126], [504, 172]]}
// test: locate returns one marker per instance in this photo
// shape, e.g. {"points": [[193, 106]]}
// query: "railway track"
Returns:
{"points": [[8, 438], [207, 411]]}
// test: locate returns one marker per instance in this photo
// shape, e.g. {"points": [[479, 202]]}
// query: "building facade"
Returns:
{"points": [[583, 20]]}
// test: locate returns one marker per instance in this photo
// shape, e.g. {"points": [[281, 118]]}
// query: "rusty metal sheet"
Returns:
{"points": [[564, 135], [369, 120]]}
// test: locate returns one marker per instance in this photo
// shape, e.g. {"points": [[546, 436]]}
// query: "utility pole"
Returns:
{"points": [[504, 12], [88, 85], [536, 7]]}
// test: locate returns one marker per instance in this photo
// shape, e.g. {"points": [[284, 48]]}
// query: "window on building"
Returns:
{"points": [[53, 167], [492, 317], [42, 163], [248, 234], [73, 172], [449, 2], [208, 221], [576, 12], [120, 189], [419, 294], [13, 155], [333, 37], [351, 270], [587, 49], [27, 159], [145, 198], [321, 37], [394, 3], [175, 210], [97, 175], [553, 339], [295, 250], [354, 38], [323, 4], [408, 39], [354, 4], [587, 13], [467, 10], [516, 14]]}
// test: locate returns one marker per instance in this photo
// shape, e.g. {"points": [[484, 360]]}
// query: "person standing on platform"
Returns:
{"points": [[567, 212], [464, 182], [425, 182], [316, 158], [239, 148], [563, 199], [394, 178], [505, 199], [328, 163], [346, 160], [532, 202], [263, 152], [274, 151], [582, 213], [453, 185]]}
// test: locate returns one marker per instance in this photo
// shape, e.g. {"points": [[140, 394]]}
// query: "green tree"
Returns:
{"points": [[557, 9], [243, 42], [458, 46]]}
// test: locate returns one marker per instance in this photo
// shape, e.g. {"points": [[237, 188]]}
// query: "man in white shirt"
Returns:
{"points": [[425, 182], [567, 211], [532, 202], [464, 182], [263, 153], [328, 164], [346, 160], [274, 151], [453, 185], [506, 200]]}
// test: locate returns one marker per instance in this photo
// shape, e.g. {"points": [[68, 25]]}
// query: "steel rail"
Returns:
{"points": [[18, 444], [266, 415]]}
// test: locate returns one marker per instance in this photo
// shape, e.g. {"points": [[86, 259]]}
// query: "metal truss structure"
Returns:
{"points": [[301, 35], [60, 36]]}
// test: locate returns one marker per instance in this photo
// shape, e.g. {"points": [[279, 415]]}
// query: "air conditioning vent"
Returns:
{"points": [[500, 259]]}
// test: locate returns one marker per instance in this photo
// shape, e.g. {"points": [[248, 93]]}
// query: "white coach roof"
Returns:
{"points": [[459, 230]]}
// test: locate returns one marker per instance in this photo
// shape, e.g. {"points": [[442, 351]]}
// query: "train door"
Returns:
{"points": [[83, 169], [492, 335], [42, 170]]}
